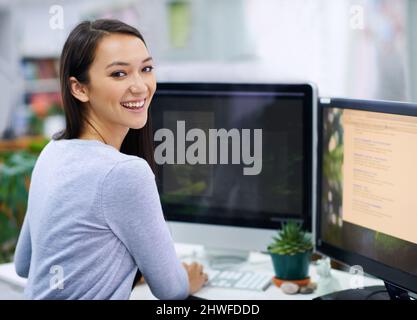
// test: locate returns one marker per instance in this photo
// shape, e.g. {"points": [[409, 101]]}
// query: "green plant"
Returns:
{"points": [[291, 252], [55, 109], [291, 239], [15, 172], [35, 124]]}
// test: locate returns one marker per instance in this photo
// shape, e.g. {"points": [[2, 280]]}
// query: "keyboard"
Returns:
{"points": [[244, 280]]}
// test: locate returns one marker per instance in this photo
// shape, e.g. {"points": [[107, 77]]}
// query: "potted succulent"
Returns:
{"points": [[291, 253]]}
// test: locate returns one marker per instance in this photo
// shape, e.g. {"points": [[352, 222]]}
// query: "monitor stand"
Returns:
{"points": [[387, 292], [225, 259], [396, 293]]}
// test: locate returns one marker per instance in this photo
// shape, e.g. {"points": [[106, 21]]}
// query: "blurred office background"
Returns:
{"points": [[349, 48]]}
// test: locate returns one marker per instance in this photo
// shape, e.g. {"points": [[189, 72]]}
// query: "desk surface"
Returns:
{"points": [[257, 262]]}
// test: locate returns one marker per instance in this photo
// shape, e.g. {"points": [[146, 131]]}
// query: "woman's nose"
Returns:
{"points": [[138, 85]]}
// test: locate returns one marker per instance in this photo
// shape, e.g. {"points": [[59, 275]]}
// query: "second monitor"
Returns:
{"points": [[366, 215], [235, 160]]}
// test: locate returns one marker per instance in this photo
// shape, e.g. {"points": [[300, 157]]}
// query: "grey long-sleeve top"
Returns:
{"points": [[94, 217]]}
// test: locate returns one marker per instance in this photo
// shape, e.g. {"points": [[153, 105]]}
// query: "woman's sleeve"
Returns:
{"points": [[23, 252], [132, 209]]}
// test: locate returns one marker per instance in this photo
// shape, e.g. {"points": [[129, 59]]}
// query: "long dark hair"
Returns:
{"points": [[76, 58]]}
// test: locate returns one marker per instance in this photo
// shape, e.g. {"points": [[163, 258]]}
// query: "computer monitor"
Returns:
{"points": [[367, 178], [234, 160]]}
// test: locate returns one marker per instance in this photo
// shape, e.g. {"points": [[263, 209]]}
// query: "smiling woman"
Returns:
{"points": [[94, 212], [127, 83], [112, 70]]}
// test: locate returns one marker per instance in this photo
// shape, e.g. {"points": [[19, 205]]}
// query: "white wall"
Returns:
{"points": [[9, 68], [311, 40]]}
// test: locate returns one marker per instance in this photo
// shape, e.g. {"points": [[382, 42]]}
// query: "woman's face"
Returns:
{"points": [[122, 82]]}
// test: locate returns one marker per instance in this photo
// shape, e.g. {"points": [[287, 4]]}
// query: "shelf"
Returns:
{"points": [[39, 55], [20, 143], [42, 85]]}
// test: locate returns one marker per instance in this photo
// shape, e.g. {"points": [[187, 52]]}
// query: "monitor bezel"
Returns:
{"points": [[386, 273], [310, 98]]}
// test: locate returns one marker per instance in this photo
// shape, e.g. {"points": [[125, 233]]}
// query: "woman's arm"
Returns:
{"points": [[132, 209], [23, 252]]}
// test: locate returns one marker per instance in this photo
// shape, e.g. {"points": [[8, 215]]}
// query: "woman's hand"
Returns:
{"points": [[196, 277]]}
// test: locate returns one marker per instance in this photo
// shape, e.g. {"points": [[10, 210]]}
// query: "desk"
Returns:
{"points": [[257, 262]]}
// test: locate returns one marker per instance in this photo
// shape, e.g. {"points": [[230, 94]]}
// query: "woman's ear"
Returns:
{"points": [[78, 90]]}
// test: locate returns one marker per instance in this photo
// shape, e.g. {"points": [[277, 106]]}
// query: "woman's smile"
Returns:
{"points": [[134, 105]]}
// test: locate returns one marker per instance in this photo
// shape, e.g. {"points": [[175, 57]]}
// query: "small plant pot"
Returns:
{"points": [[291, 267]]}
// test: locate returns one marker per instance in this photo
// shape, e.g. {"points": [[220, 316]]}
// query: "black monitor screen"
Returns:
{"points": [[368, 208], [261, 175]]}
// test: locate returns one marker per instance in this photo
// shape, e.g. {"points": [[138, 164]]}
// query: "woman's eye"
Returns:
{"points": [[147, 69], [118, 74]]}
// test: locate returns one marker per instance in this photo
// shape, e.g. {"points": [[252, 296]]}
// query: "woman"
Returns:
{"points": [[94, 215]]}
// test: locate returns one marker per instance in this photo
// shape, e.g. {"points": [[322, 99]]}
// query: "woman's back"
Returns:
{"points": [[93, 218]]}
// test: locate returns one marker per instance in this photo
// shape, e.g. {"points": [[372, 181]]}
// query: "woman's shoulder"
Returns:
{"points": [[127, 178], [86, 149], [131, 168], [93, 156]]}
